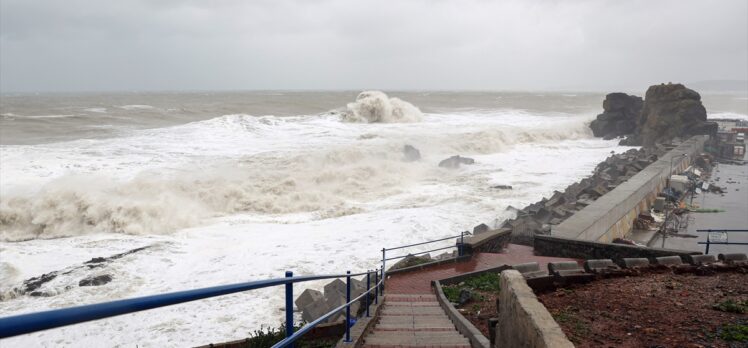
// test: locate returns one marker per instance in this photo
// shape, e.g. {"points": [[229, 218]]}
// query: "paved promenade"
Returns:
{"points": [[419, 282]]}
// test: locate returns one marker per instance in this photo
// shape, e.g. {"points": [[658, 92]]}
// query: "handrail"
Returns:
{"points": [[422, 243], [422, 252], [709, 241], [290, 339], [32, 322]]}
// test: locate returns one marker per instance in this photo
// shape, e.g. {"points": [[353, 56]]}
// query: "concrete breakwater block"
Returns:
{"points": [[563, 268], [307, 297], [702, 259], [733, 258], [669, 260], [530, 270], [600, 266], [635, 262]]}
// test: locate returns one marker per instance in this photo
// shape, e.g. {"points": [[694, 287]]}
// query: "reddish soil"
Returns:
{"points": [[479, 311], [653, 309]]}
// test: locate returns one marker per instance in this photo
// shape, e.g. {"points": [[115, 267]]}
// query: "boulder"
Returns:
{"points": [[411, 154], [455, 161], [465, 296], [620, 115], [96, 280], [670, 111]]}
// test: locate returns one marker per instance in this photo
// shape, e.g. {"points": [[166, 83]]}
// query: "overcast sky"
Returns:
{"points": [[95, 45]]}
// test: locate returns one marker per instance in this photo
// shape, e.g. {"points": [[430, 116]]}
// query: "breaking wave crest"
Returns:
{"points": [[375, 106], [157, 203]]}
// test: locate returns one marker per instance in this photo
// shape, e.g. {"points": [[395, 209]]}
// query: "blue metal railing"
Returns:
{"points": [[459, 246], [33, 322], [709, 242]]}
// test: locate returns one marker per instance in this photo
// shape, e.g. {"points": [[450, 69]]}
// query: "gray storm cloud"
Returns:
{"points": [[176, 45]]}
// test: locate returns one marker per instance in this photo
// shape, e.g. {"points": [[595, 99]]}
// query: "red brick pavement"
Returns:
{"points": [[419, 282]]}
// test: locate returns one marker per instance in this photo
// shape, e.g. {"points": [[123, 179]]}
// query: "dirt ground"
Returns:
{"points": [[480, 309], [655, 309]]}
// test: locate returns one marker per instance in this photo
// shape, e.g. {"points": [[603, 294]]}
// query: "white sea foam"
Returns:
{"points": [[258, 195], [727, 115], [136, 107], [96, 110], [375, 106]]}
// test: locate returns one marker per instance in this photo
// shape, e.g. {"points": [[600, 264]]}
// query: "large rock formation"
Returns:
{"points": [[620, 115], [670, 111]]}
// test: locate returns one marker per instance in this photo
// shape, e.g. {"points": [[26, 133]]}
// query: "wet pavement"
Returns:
{"points": [[735, 203], [419, 282]]}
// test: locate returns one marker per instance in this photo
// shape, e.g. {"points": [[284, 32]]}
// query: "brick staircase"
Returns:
{"points": [[414, 321]]}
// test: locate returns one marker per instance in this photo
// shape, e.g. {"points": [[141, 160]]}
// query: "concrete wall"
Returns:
{"points": [[523, 320], [612, 215], [583, 249]]}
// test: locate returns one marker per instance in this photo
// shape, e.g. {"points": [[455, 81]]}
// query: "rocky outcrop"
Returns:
{"points": [[670, 111], [620, 115], [455, 161], [411, 154]]}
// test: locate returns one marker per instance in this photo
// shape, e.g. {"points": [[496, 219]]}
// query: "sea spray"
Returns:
{"points": [[375, 106]]}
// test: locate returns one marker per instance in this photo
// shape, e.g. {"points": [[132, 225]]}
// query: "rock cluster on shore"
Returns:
{"points": [[669, 111], [538, 217]]}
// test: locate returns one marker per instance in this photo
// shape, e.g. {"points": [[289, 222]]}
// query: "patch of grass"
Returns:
{"points": [[731, 306], [570, 319], [452, 293], [734, 332], [485, 282]]}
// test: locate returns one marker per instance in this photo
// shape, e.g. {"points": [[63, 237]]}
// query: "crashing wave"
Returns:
{"points": [[375, 106]]}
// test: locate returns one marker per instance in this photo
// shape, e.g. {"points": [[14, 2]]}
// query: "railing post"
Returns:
{"points": [[376, 285], [707, 244], [348, 307], [383, 276], [289, 307], [368, 287], [462, 241]]}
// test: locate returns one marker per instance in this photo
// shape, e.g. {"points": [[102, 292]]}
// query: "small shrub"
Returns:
{"points": [[734, 332], [731, 306], [452, 293]]}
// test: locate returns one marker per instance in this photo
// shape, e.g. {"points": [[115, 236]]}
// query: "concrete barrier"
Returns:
{"points": [[523, 320], [612, 215], [583, 249]]}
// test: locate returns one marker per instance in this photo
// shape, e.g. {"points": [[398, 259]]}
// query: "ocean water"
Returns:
{"points": [[236, 186]]}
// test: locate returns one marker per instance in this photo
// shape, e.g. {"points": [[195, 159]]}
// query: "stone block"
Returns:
{"points": [[633, 262], [321, 307], [600, 266], [562, 268], [733, 258], [669, 260], [307, 297], [335, 288], [702, 259], [527, 267]]}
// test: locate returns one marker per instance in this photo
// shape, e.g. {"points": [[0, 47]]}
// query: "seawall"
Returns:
{"points": [[612, 215]]}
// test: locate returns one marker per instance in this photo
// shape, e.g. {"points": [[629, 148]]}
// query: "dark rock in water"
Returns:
{"points": [[96, 281], [502, 187], [620, 115], [670, 111], [482, 228], [32, 284], [465, 296], [411, 153], [455, 161]]}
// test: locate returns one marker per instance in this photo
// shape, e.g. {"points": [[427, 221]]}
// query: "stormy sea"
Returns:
{"points": [[178, 191]]}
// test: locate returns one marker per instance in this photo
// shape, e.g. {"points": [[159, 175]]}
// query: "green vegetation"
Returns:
{"points": [[734, 332], [731, 306], [485, 282], [707, 210], [568, 318], [266, 337], [452, 293]]}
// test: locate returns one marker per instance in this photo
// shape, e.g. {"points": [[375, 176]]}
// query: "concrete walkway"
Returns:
{"points": [[414, 320], [419, 282]]}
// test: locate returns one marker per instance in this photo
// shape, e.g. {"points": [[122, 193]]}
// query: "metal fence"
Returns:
{"points": [[33, 322], [722, 232]]}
